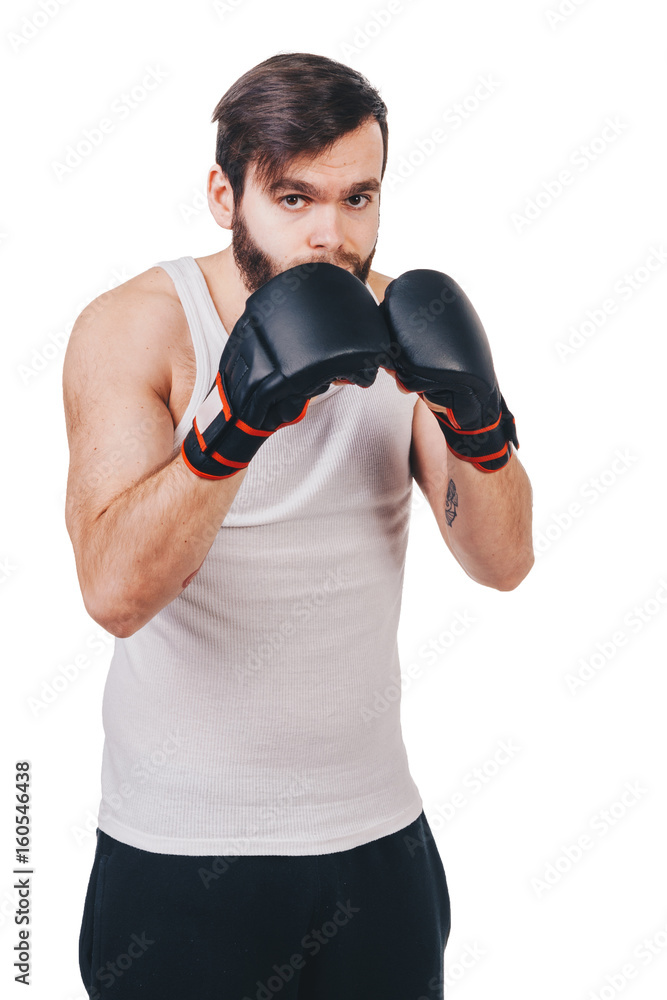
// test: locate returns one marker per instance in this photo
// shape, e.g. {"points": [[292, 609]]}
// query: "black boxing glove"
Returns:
{"points": [[440, 351], [302, 330]]}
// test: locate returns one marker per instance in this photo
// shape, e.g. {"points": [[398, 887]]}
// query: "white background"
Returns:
{"points": [[526, 921]]}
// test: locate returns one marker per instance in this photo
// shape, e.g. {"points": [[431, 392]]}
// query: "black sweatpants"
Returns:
{"points": [[369, 923]]}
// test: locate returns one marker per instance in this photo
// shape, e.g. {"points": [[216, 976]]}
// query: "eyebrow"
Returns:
{"points": [[291, 184]]}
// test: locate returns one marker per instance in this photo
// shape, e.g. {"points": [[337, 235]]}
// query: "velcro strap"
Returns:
{"points": [[212, 415], [218, 444], [487, 448], [203, 465]]}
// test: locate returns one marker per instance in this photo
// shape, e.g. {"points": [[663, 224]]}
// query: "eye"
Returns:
{"points": [[366, 196], [291, 196]]}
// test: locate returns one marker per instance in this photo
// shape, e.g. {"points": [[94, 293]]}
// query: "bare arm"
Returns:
{"points": [[485, 518], [140, 522]]}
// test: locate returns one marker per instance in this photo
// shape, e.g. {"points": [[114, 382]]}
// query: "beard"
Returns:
{"points": [[257, 267]]}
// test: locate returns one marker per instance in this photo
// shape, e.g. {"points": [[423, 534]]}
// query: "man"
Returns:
{"points": [[259, 832]]}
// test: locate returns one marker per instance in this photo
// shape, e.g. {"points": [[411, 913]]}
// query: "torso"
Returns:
{"points": [[178, 383]]}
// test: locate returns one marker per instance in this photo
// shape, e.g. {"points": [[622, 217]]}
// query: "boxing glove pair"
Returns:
{"points": [[317, 323]]}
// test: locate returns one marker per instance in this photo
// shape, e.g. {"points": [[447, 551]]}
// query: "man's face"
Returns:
{"points": [[325, 209]]}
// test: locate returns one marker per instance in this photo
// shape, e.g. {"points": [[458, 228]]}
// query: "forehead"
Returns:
{"points": [[354, 157]]}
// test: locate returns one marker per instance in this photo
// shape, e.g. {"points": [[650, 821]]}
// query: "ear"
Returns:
{"points": [[220, 197]]}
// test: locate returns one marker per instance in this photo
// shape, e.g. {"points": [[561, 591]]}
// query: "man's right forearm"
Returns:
{"points": [[146, 546]]}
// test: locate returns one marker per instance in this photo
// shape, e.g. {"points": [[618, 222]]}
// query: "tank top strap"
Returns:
{"points": [[206, 329]]}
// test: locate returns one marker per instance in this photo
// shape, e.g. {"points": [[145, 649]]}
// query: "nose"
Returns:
{"points": [[327, 229]]}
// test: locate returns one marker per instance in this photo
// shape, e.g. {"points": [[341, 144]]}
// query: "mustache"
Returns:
{"points": [[339, 259]]}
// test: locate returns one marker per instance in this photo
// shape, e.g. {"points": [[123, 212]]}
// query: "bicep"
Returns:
{"points": [[119, 428]]}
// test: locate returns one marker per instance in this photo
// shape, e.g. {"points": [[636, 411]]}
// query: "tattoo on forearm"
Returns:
{"points": [[451, 503]]}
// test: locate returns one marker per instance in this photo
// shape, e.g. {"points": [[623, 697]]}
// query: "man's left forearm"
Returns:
{"points": [[486, 520]]}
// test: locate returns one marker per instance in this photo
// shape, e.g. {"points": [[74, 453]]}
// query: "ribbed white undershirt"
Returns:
{"points": [[235, 718]]}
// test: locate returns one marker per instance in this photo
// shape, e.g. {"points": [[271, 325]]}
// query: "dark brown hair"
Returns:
{"points": [[291, 104]]}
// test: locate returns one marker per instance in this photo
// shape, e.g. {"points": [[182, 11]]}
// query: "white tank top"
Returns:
{"points": [[244, 717]]}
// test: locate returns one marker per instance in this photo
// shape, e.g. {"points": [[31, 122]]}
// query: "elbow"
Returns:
{"points": [[120, 628], [504, 574], [115, 625], [111, 600], [111, 617], [510, 581]]}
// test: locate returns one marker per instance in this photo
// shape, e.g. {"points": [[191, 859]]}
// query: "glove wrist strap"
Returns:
{"points": [[219, 444], [487, 448]]}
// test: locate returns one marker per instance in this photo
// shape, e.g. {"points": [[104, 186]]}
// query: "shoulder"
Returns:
{"points": [[143, 302], [378, 283], [139, 323], [146, 292]]}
